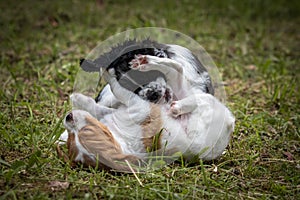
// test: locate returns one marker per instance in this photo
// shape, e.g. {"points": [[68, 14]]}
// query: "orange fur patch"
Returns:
{"points": [[98, 140], [151, 128]]}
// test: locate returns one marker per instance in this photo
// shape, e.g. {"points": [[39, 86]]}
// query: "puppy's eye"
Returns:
{"points": [[69, 117]]}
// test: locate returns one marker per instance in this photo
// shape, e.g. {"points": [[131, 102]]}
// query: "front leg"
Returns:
{"points": [[88, 104], [106, 98], [125, 96]]}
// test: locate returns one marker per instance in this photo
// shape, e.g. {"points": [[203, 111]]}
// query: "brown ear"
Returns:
{"points": [[98, 140], [61, 154], [72, 151]]}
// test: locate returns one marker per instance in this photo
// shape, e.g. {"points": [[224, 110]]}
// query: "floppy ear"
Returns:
{"points": [[61, 154], [98, 140], [72, 151]]}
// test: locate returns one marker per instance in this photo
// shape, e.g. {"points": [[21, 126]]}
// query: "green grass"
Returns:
{"points": [[255, 44]]}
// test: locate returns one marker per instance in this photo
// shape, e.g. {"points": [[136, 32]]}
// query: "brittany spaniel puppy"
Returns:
{"points": [[144, 83], [194, 123]]}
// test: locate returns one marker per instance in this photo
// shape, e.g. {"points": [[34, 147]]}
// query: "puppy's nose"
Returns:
{"points": [[69, 117]]}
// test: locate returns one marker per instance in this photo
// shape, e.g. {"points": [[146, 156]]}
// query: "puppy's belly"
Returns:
{"points": [[184, 121], [128, 135], [174, 134]]}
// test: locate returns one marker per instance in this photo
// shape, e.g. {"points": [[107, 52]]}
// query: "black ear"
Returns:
{"points": [[88, 65]]}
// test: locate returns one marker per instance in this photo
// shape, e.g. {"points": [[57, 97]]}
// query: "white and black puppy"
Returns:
{"points": [[195, 125], [145, 84]]}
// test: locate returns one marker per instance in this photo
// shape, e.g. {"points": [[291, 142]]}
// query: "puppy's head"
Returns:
{"points": [[91, 143], [76, 120]]}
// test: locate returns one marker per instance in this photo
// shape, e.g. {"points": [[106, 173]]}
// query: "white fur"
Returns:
{"points": [[63, 138], [206, 121], [196, 123], [107, 98]]}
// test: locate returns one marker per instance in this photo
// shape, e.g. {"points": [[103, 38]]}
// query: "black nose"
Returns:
{"points": [[69, 117]]}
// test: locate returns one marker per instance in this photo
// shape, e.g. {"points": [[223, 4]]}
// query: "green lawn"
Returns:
{"points": [[254, 43]]}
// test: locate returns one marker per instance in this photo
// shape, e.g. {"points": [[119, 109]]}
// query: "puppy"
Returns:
{"points": [[196, 125], [92, 144]]}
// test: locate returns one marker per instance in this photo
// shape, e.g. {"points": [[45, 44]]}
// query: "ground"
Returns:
{"points": [[255, 45]]}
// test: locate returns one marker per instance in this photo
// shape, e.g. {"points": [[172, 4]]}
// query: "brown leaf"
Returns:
{"points": [[288, 155], [58, 185], [251, 67]]}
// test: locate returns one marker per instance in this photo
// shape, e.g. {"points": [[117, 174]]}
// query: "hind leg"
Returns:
{"points": [[88, 104], [147, 63]]}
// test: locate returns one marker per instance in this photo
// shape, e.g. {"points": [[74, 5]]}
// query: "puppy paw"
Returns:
{"points": [[109, 75], [138, 63], [76, 100], [81, 101], [175, 109], [112, 72]]}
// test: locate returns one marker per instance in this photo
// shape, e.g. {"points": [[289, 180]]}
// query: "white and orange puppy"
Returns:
{"points": [[91, 143], [196, 125]]}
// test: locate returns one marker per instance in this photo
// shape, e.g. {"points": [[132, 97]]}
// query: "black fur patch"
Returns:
{"points": [[119, 58]]}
